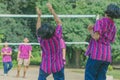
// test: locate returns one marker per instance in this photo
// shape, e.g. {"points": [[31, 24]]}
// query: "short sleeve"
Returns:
{"points": [[62, 43], [97, 26], [30, 47], [58, 31], [2, 50]]}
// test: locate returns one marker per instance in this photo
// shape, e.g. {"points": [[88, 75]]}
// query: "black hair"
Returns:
{"points": [[113, 11], [46, 31]]}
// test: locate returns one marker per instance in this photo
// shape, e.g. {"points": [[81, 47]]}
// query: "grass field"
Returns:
{"points": [[115, 74], [1, 62]]}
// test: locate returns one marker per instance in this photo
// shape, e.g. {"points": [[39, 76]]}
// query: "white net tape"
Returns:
{"points": [[39, 43], [46, 16]]}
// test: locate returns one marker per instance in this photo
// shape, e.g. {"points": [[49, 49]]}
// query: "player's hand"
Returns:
{"points": [[39, 12], [49, 5], [32, 56], [5, 53], [90, 27]]}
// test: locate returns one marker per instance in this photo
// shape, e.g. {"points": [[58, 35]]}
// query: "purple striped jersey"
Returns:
{"points": [[101, 49], [52, 58]]}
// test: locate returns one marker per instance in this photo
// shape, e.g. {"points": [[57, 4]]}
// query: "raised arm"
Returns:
{"points": [[57, 19], [38, 24]]}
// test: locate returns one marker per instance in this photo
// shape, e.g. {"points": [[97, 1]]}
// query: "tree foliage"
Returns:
{"points": [[74, 29]]}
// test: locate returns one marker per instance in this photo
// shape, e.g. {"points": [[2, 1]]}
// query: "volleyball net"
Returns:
{"points": [[14, 26], [39, 43], [31, 19]]}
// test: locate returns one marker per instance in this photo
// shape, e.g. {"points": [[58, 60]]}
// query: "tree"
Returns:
{"points": [[74, 29]]}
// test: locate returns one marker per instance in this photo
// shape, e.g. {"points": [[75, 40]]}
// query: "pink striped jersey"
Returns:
{"points": [[101, 49], [52, 58], [6, 58], [24, 50]]}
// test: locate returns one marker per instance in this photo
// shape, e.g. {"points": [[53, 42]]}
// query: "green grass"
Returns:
{"points": [[35, 61], [1, 65], [115, 74]]}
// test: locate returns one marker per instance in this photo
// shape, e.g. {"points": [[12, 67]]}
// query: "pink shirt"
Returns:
{"points": [[24, 51], [101, 49], [6, 58]]}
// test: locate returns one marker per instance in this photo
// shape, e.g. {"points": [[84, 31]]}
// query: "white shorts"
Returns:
{"points": [[26, 62]]}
